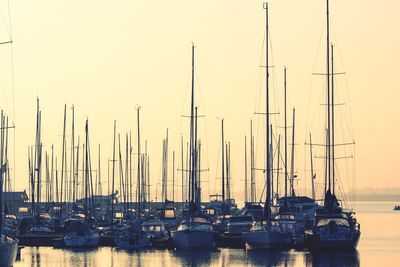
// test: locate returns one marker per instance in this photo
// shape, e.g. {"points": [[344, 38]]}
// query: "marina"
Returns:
{"points": [[106, 182], [375, 244]]}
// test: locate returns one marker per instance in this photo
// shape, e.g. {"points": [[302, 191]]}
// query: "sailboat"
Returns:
{"points": [[267, 233], [8, 244], [295, 211], [334, 228], [195, 231], [80, 228]]}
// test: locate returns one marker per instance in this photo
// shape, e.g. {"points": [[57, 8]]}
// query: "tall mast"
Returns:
{"points": [[121, 173], [166, 168], [223, 159], [86, 172], [312, 170], [127, 170], [182, 183], [63, 159], [130, 167], [277, 167], [195, 163], [76, 174], [52, 174], [113, 177], [196, 169], [228, 178], [173, 176], [2, 171], [267, 207], [252, 182], [333, 122], [72, 165], [328, 159], [245, 169], [271, 159], [138, 160], [286, 171], [99, 191], [192, 163], [292, 158]]}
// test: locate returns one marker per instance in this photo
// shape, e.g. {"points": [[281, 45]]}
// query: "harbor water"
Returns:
{"points": [[379, 246]]}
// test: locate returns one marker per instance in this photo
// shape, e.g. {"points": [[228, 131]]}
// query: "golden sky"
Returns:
{"points": [[108, 57]]}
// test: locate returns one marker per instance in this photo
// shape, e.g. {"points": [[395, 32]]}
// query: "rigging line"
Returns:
{"points": [[273, 80], [347, 91], [311, 77], [205, 122], [257, 100]]}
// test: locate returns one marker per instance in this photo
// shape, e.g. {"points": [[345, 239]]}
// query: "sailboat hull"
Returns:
{"points": [[268, 239], [8, 253], [90, 240], [333, 242], [192, 238]]}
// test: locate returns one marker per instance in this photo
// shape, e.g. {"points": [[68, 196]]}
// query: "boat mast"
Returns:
{"points": [[138, 161], [292, 158], [252, 180], [267, 207], [2, 171], [173, 176], [285, 112], [86, 172], [312, 170], [183, 172], [277, 168], [272, 164], [76, 173], [223, 163], [192, 157], [228, 175], [63, 159], [127, 171], [245, 170], [72, 165], [113, 177], [328, 145], [196, 172], [333, 122]]}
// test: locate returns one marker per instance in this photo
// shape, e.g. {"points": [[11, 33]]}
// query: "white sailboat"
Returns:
{"points": [[268, 233], [195, 231], [334, 229]]}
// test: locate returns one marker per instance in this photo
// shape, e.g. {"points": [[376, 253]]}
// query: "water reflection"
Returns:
{"points": [[42, 257], [336, 259], [197, 257], [272, 258]]}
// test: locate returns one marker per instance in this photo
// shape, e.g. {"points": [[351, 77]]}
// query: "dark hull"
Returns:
{"points": [[45, 240], [230, 241], [8, 253], [314, 242]]}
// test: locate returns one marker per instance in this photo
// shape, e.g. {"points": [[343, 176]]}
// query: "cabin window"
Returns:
{"points": [[169, 214], [337, 221]]}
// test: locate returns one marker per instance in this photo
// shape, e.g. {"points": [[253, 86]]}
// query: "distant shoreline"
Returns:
{"points": [[378, 197]]}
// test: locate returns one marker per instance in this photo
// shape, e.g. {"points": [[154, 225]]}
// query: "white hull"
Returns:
{"points": [[8, 252], [90, 240], [193, 238], [268, 239]]}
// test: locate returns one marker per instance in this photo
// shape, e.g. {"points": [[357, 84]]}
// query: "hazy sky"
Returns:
{"points": [[108, 57]]}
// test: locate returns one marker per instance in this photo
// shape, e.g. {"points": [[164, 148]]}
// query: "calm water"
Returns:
{"points": [[379, 246]]}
